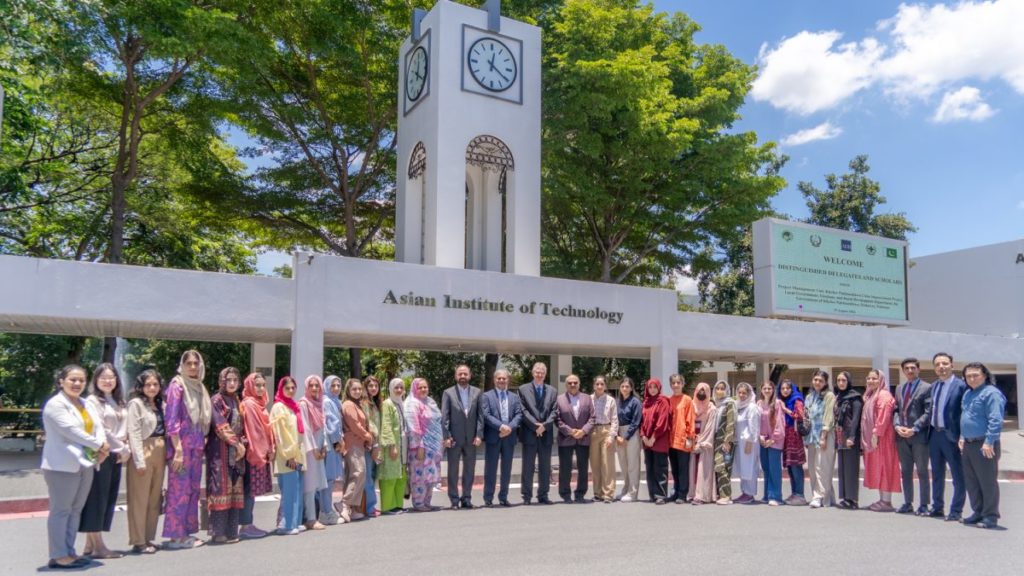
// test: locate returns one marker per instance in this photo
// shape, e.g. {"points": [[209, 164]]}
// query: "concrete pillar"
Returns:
{"points": [[308, 331], [262, 359], [561, 367], [721, 372], [664, 363], [1020, 393], [763, 372], [880, 359]]}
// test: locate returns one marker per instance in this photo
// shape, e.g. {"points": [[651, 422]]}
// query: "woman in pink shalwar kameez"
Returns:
{"points": [[878, 440], [702, 462]]}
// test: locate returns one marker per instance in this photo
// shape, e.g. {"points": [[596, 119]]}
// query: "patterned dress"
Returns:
{"points": [[424, 420], [181, 502], [225, 473], [725, 433], [793, 453]]}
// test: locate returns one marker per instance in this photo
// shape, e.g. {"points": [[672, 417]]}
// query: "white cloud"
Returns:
{"points": [[823, 131], [963, 104], [924, 50], [685, 284], [808, 72], [1020, 205]]}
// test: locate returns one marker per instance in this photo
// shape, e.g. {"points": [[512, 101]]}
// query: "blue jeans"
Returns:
{"points": [[771, 465], [291, 499], [796, 479], [371, 492]]}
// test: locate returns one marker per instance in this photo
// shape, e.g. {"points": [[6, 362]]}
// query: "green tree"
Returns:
{"points": [[641, 170], [850, 201]]}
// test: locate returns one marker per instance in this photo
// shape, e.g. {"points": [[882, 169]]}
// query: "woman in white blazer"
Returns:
{"points": [[75, 444]]}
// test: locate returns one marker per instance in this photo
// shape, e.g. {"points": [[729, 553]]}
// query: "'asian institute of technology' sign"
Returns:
{"points": [[815, 272], [480, 304]]}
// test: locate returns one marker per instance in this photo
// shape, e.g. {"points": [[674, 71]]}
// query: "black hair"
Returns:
{"points": [[140, 384], [64, 372], [849, 380], [366, 392], [117, 394], [983, 368], [632, 387], [946, 354], [913, 361]]}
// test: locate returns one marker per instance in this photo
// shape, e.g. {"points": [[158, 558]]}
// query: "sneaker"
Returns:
{"points": [[796, 500], [723, 501], [773, 502], [251, 532], [816, 503], [287, 532], [626, 498], [301, 528], [357, 516], [329, 518]]}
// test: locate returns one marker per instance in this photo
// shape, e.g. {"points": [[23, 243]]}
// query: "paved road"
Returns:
{"points": [[562, 540]]}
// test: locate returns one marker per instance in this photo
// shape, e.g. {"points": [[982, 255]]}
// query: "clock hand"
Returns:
{"points": [[491, 63], [498, 72]]}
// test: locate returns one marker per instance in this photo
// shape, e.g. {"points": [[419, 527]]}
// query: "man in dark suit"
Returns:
{"points": [[574, 416], [947, 398], [537, 433], [463, 431], [502, 414], [913, 407]]}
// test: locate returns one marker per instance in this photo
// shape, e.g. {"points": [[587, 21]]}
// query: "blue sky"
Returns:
{"points": [[932, 92]]}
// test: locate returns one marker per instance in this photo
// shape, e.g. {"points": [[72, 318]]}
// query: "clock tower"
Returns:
{"points": [[469, 141]]}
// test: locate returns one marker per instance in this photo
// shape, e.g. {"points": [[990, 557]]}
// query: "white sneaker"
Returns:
{"points": [[816, 503], [626, 498], [773, 502]]}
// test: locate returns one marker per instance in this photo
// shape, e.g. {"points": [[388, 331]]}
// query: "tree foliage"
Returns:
{"points": [[641, 169]]}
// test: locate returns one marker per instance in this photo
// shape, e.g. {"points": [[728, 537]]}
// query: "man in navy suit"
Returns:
{"points": [[537, 433], [912, 423], [947, 399], [502, 414]]}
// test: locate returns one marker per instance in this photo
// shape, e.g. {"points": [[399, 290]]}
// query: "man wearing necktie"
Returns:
{"points": [[502, 413], [913, 422], [947, 399], [537, 434], [463, 430]]}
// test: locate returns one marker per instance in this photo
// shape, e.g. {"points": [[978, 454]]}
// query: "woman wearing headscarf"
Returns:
{"points": [[702, 462], [793, 454], [725, 440], [333, 428], [394, 447], [259, 455], [106, 396], [225, 460], [849, 406], [424, 420], [371, 407], [315, 447], [821, 442], [773, 438], [289, 457], [654, 434], [75, 445], [748, 442], [627, 445], [878, 440], [147, 467], [188, 412], [357, 441]]}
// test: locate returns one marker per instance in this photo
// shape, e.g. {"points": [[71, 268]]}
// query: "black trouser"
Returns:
{"points": [[849, 473], [657, 473], [466, 454], [502, 451], [565, 454], [679, 462], [914, 455], [539, 451], [98, 514], [980, 476]]}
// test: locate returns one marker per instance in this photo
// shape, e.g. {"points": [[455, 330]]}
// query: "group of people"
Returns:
{"points": [[348, 433]]}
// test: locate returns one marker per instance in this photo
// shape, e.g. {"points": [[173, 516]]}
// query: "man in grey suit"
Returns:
{"points": [[537, 434], [502, 414], [574, 416], [463, 429], [912, 423]]}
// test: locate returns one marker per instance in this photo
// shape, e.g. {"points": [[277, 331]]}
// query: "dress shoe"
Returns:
{"points": [[545, 501], [505, 504], [659, 501], [989, 524], [972, 519], [582, 500], [454, 506], [467, 505], [526, 502], [488, 504], [953, 518], [936, 513], [922, 511], [905, 509]]}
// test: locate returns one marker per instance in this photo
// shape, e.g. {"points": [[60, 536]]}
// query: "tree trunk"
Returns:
{"points": [[109, 349], [355, 363], [490, 365]]}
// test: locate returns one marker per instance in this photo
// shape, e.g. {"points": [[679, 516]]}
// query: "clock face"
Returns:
{"points": [[416, 73], [492, 64]]}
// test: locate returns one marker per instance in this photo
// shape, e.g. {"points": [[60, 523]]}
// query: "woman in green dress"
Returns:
{"points": [[394, 449]]}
